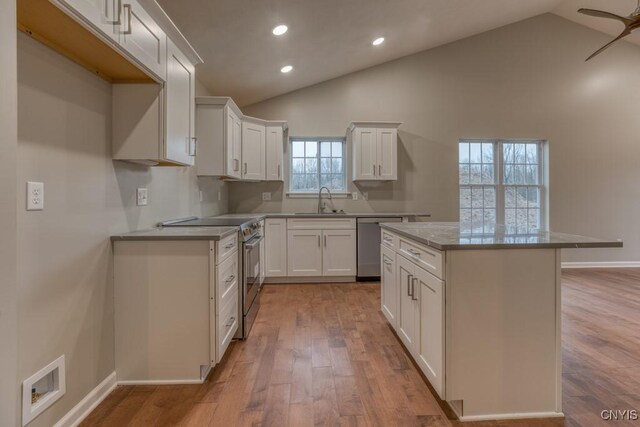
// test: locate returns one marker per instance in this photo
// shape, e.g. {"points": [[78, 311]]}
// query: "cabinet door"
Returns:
{"points": [[274, 153], [100, 14], [143, 38], [232, 144], [339, 253], [431, 323], [275, 247], [253, 150], [389, 293], [304, 252], [180, 107], [409, 309], [387, 153], [364, 154]]}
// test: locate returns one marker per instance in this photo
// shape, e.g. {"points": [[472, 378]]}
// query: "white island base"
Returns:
{"points": [[480, 315]]}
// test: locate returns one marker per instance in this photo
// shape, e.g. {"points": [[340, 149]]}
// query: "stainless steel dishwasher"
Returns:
{"points": [[369, 246]]}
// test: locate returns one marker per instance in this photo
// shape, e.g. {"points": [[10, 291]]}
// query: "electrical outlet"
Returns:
{"points": [[143, 197], [365, 195], [354, 195], [35, 196], [266, 196]]}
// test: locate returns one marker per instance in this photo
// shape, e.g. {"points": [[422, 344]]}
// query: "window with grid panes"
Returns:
{"points": [[317, 163], [501, 182]]}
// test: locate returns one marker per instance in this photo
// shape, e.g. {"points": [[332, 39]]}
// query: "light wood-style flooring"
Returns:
{"points": [[324, 355]]}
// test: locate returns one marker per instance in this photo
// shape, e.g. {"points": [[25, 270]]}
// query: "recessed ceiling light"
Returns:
{"points": [[280, 30], [286, 69], [378, 41]]}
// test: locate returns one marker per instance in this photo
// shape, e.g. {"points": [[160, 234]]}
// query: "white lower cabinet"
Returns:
{"points": [[275, 257], [389, 293], [413, 301], [304, 252], [321, 247], [339, 253]]}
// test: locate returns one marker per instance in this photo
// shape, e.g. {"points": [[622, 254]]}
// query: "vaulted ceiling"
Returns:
{"points": [[330, 38]]}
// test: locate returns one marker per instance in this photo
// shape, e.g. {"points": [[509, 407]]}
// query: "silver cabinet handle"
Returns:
{"points": [[413, 289], [230, 278], [236, 165], [318, 241], [127, 9], [278, 171], [413, 252], [325, 241], [229, 246], [193, 146], [245, 168], [117, 13], [231, 320], [409, 286], [379, 170], [374, 170]]}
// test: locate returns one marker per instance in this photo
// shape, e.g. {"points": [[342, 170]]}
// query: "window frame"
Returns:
{"points": [[500, 186], [319, 140]]}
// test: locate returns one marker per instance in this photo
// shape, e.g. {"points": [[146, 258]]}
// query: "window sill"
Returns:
{"points": [[315, 195]]}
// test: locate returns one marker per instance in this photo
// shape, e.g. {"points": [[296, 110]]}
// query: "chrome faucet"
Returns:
{"points": [[320, 202]]}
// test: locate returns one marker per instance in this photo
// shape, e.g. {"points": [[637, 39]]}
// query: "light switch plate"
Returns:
{"points": [[365, 195], [266, 196], [354, 195], [142, 197], [35, 196]]}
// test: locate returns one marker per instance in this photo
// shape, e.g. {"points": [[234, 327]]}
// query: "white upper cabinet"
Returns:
{"points": [[143, 38], [253, 150], [103, 15], [375, 150], [274, 167], [181, 144], [233, 144]]}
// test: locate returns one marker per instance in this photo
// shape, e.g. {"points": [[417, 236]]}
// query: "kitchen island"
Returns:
{"points": [[480, 314]]}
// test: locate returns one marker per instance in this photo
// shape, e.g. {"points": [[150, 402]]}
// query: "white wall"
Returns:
{"points": [[65, 261], [8, 144], [525, 80]]}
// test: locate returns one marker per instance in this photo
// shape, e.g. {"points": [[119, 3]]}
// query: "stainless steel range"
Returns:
{"points": [[250, 234]]}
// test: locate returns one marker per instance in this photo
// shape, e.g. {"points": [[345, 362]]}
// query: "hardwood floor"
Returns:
{"points": [[324, 355]]}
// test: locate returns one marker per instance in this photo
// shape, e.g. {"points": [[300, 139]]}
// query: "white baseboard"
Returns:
{"points": [[89, 403], [161, 382], [300, 280], [607, 264], [516, 416]]}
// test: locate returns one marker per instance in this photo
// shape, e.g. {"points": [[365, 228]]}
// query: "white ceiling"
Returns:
{"points": [[330, 38]]}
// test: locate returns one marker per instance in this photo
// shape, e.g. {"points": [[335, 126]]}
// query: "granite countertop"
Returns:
{"points": [[316, 215], [446, 236], [178, 233]]}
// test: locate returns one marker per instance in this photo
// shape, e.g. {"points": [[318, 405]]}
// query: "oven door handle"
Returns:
{"points": [[253, 242]]}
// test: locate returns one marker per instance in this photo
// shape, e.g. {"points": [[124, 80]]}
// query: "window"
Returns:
{"points": [[317, 163], [502, 183]]}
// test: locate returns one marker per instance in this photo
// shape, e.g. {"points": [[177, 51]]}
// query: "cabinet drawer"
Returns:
{"points": [[226, 281], [427, 258], [321, 224], [389, 239], [226, 247], [227, 325]]}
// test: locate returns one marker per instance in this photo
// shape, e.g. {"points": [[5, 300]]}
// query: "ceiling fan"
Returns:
{"points": [[631, 23]]}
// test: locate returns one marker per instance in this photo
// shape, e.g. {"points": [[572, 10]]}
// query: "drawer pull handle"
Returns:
{"points": [[413, 252], [233, 319], [230, 278], [229, 246]]}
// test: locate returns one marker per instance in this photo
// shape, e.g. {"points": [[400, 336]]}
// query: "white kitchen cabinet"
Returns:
{"points": [[219, 134], [375, 150], [275, 247], [304, 252], [103, 15], [339, 253], [180, 107], [430, 354], [409, 311], [274, 167], [389, 293], [143, 38], [253, 150]]}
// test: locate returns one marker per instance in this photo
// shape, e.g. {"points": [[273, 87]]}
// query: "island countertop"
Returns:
{"points": [[447, 236]]}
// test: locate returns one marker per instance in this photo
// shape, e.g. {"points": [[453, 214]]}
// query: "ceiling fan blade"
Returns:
{"points": [[603, 14], [625, 33]]}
